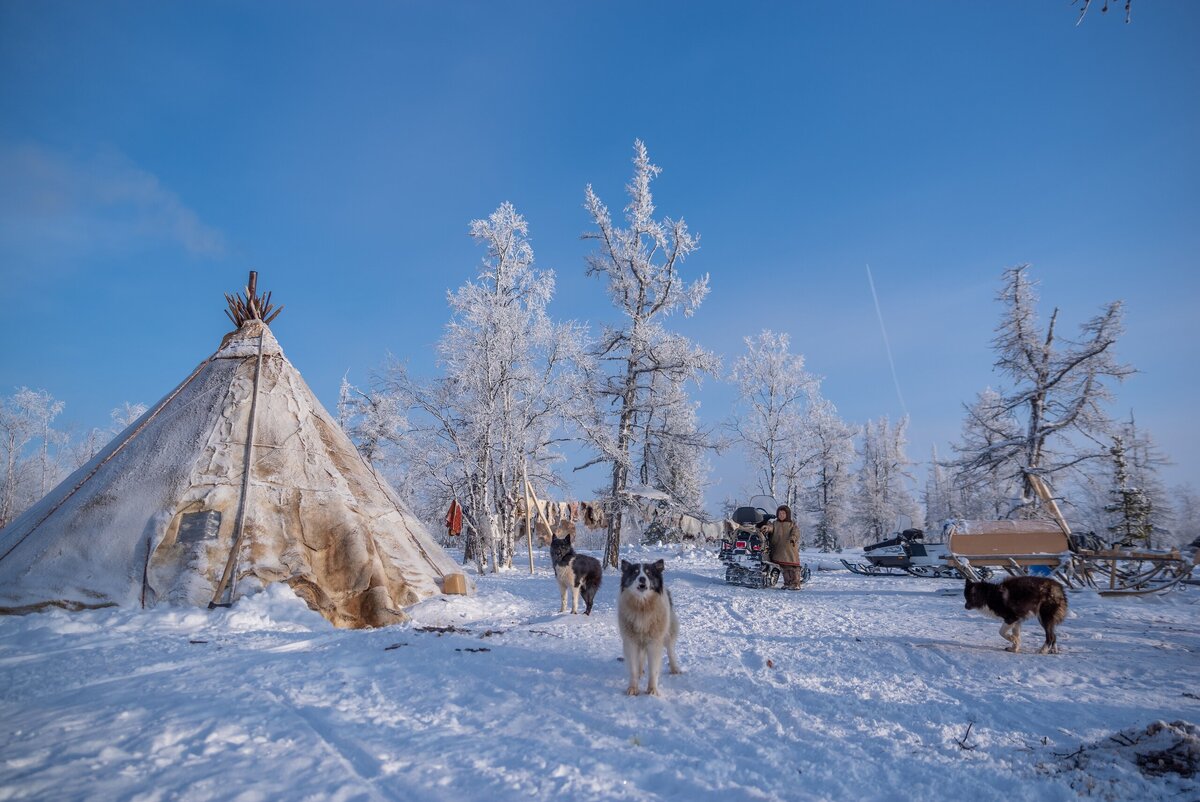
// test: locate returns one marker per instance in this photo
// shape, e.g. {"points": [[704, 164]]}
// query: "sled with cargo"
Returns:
{"points": [[1049, 548]]}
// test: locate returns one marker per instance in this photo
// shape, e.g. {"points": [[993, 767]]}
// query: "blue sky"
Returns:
{"points": [[151, 153]]}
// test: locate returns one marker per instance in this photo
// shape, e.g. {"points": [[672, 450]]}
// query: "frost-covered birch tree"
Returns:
{"points": [[43, 408], [771, 417], [498, 404], [640, 263], [882, 494], [374, 421], [78, 449], [1058, 390], [827, 499], [125, 415], [25, 419]]}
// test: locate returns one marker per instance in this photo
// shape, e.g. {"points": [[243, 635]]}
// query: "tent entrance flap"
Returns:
{"points": [[198, 527]]}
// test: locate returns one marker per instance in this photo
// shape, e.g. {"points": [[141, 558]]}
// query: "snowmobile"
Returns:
{"points": [[745, 551], [905, 554]]}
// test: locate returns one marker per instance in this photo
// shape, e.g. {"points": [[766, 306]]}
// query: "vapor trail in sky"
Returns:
{"points": [[886, 344]]}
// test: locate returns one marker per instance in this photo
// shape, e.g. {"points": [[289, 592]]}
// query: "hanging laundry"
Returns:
{"points": [[454, 519]]}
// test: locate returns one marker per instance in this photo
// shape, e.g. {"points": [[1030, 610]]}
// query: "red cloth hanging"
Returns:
{"points": [[454, 519]]}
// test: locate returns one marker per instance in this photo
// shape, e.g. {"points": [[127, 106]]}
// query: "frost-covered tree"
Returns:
{"points": [[17, 428], [1122, 498], [1128, 504], [882, 495], [498, 404], [125, 415], [374, 421], [84, 446], [1187, 515], [25, 419], [939, 494], [80, 448], [827, 499], [640, 263], [1143, 460], [1051, 419], [674, 447], [770, 421], [43, 408], [987, 491]]}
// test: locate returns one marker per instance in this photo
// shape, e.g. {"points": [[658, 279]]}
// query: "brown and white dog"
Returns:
{"points": [[646, 618], [1014, 600]]}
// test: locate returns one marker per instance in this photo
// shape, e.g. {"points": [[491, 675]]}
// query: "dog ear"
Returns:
{"points": [[659, 566], [625, 565]]}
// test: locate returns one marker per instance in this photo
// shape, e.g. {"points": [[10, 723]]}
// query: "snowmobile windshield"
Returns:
{"points": [[765, 503]]}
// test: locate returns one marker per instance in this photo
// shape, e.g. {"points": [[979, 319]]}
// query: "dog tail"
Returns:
{"points": [[1052, 612], [1058, 604]]}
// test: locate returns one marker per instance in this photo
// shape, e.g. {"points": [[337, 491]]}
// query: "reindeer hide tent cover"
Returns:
{"points": [[154, 516]]}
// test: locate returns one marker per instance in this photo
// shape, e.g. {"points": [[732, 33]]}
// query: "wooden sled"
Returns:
{"points": [[1130, 572], [1018, 546], [1011, 546]]}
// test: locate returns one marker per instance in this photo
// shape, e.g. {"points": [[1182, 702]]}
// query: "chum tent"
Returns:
{"points": [[168, 513]]}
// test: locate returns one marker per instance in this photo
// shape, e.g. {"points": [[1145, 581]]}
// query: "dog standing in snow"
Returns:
{"points": [[577, 574], [1014, 600], [646, 618]]}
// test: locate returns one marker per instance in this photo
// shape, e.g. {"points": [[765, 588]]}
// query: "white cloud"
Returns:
{"points": [[54, 205]]}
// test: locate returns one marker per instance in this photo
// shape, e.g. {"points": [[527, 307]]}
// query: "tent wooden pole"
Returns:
{"points": [[537, 505], [528, 514], [227, 578]]}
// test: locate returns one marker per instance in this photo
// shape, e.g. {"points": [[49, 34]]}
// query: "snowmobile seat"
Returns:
{"points": [[748, 515]]}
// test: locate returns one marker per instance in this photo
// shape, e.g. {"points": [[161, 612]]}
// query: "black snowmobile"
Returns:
{"points": [[905, 553], [745, 551]]}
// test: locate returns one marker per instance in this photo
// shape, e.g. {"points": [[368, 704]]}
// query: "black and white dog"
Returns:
{"points": [[576, 573], [646, 618], [1017, 598]]}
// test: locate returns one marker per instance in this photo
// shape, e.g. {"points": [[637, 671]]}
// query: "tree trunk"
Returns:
{"points": [[612, 544], [10, 485], [476, 514], [620, 476]]}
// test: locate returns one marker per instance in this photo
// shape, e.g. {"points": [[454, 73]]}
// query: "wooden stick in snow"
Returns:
{"points": [[528, 515]]}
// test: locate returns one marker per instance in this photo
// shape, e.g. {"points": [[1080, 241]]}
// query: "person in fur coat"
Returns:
{"points": [[784, 541]]}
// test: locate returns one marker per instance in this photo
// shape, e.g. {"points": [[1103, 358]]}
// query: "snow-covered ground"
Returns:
{"points": [[855, 688]]}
